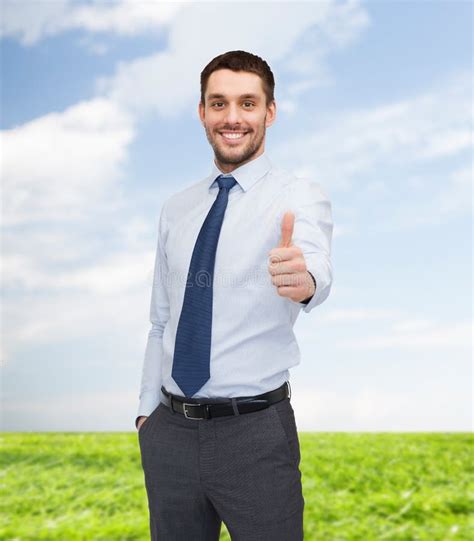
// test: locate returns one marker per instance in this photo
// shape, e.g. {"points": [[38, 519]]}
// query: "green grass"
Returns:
{"points": [[357, 486]]}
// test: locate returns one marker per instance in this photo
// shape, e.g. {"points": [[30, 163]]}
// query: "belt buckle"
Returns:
{"points": [[186, 413]]}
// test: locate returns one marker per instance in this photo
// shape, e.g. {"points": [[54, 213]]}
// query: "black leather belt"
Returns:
{"points": [[206, 408]]}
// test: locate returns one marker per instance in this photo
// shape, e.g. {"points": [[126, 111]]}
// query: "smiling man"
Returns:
{"points": [[240, 254]]}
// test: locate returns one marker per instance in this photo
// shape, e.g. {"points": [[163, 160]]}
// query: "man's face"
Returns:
{"points": [[235, 104]]}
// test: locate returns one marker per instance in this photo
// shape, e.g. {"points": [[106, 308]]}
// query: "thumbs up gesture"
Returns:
{"points": [[287, 265]]}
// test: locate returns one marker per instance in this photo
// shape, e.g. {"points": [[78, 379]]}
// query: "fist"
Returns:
{"points": [[287, 265]]}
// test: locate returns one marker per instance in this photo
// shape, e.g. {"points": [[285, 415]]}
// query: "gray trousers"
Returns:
{"points": [[242, 470]]}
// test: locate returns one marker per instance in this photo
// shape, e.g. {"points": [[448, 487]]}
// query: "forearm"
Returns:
{"points": [[151, 373]]}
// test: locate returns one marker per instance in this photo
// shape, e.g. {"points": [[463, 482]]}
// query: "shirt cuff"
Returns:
{"points": [[148, 403], [319, 266]]}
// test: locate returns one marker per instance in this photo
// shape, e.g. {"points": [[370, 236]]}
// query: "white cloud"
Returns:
{"points": [[62, 175], [349, 145], [114, 273], [352, 150], [454, 197], [360, 314], [127, 17], [167, 82], [425, 336], [287, 106], [428, 407], [73, 411], [61, 317], [32, 21], [413, 325], [68, 283], [341, 230], [57, 166]]}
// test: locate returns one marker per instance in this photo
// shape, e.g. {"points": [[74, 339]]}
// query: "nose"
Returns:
{"points": [[232, 115]]}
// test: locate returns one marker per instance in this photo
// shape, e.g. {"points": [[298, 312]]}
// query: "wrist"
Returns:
{"points": [[307, 300]]}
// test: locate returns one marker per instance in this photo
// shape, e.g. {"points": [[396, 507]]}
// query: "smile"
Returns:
{"points": [[233, 136]]}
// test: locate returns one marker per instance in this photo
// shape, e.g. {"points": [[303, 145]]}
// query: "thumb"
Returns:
{"points": [[287, 226]]}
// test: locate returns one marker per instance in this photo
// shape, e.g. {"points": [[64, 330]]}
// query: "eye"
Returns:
{"points": [[248, 103], [216, 103]]}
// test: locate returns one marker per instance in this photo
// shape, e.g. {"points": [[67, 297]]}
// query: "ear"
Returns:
{"points": [[201, 112], [271, 114]]}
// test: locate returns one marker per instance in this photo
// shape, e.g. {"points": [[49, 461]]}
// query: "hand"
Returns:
{"points": [[288, 266], [141, 420]]}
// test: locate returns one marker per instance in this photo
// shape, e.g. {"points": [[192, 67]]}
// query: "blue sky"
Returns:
{"points": [[100, 125]]}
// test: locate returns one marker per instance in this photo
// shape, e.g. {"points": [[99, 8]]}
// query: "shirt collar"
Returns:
{"points": [[247, 174]]}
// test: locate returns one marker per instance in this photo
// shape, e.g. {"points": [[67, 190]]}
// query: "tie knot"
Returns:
{"points": [[226, 182]]}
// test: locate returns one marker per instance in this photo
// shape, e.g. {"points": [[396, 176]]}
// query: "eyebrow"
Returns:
{"points": [[220, 96]]}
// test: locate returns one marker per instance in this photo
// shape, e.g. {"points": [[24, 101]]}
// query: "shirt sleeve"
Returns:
{"points": [[313, 234], [150, 388]]}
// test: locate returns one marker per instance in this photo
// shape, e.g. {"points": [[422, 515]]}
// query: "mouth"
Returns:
{"points": [[232, 137]]}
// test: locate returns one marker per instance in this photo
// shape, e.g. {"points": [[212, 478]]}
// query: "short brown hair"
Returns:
{"points": [[240, 61]]}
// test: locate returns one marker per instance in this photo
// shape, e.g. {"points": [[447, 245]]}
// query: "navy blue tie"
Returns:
{"points": [[192, 350]]}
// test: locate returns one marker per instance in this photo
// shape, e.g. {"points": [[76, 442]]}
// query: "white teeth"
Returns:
{"points": [[233, 135]]}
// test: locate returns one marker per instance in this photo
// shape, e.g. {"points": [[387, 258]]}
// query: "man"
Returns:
{"points": [[239, 255]]}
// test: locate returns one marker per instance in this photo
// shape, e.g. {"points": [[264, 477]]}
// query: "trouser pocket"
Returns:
{"points": [[285, 416]]}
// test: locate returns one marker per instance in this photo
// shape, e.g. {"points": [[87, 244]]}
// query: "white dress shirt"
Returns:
{"points": [[253, 344]]}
